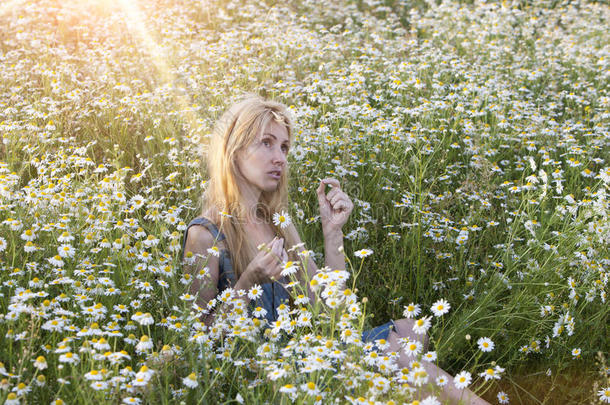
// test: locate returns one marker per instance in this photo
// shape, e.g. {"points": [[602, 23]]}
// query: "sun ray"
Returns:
{"points": [[159, 57], [10, 5]]}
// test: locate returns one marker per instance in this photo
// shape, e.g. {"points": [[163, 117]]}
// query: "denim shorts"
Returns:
{"points": [[378, 332]]}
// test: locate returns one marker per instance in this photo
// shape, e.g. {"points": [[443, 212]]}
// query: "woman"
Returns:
{"points": [[248, 178]]}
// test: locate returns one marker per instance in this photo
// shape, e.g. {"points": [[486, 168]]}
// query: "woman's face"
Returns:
{"points": [[263, 162]]}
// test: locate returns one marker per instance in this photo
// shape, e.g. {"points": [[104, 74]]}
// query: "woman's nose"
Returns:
{"points": [[280, 157]]}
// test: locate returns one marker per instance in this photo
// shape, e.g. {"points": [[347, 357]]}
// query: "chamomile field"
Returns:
{"points": [[472, 137]]}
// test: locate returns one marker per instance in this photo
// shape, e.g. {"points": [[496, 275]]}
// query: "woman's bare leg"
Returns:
{"points": [[404, 328], [449, 392]]}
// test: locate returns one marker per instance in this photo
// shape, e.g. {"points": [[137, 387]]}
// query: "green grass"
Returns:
{"points": [[442, 122]]}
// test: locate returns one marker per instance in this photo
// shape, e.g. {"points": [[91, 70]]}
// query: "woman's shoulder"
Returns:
{"points": [[206, 234], [199, 238]]}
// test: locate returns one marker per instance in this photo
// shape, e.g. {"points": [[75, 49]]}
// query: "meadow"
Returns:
{"points": [[473, 138]]}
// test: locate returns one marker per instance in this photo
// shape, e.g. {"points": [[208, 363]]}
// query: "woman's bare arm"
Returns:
{"points": [[333, 250], [264, 266], [334, 257], [335, 209], [198, 241]]}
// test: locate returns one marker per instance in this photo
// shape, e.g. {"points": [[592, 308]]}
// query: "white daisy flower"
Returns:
{"points": [[56, 261], [362, 253], [277, 374], [413, 348], [65, 237], [492, 373], [259, 312], [485, 344], [310, 388], [12, 399], [604, 395], [422, 325], [429, 356], [28, 235], [40, 363], [69, 357], [94, 375], [289, 268], [301, 299], [190, 381], [143, 319], [29, 247], [66, 250], [411, 310], [462, 380], [441, 381], [214, 251], [288, 389], [255, 292], [282, 219], [440, 307]]}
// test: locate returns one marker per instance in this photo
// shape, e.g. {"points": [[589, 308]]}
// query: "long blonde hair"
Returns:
{"points": [[235, 130]]}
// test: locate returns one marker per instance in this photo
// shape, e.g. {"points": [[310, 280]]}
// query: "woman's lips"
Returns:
{"points": [[275, 175]]}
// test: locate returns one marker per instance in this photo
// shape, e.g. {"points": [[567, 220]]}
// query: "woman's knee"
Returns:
{"points": [[404, 328]]}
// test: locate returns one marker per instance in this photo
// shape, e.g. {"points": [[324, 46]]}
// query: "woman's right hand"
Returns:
{"points": [[267, 266]]}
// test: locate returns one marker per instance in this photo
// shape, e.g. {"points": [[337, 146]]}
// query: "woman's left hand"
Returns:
{"points": [[335, 207]]}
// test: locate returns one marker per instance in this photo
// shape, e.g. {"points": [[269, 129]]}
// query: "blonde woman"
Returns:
{"points": [[247, 160]]}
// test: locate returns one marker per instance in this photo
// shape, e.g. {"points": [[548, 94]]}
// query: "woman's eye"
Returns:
{"points": [[266, 142], [285, 149]]}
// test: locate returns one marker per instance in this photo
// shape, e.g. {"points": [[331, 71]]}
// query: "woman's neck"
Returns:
{"points": [[250, 200]]}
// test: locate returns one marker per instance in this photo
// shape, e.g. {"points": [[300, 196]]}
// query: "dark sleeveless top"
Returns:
{"points": [[274, 294]]}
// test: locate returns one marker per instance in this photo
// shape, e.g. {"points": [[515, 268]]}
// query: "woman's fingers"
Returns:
{"points": [[277, 252], [332, 193], [342, 200], [322, 197], [336, 198], [336, 188], [333, 182], [271, 259], [277, 272], [336, 194], [277, 247], [266, 247], [340, 205], [321, 188]]}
